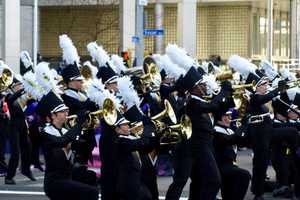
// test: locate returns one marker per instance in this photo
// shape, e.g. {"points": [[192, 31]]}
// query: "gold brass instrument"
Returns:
{"points": [[290, 84], [238, 88], [137, 129], [152, 74], [226, 75], [109, 113], [179, 132], [241, 99], [6, 79]]}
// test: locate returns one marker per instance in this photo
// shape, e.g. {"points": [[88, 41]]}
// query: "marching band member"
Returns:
{"points": [[56, 141], [76, 99], [129, 184], [204, 164], [235, 180], [18, 137]]}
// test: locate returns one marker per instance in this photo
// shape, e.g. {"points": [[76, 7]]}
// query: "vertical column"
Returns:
{"points": [[270, 31], [127, 25], [186, 25], [11, 32], [159, 20], [298, 27], [293, 26], [1, 28]]}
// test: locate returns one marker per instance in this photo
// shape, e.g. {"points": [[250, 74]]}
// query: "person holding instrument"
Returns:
{"points": [[56, 143]]}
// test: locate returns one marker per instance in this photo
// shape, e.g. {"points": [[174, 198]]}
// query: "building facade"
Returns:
{"points": [[222, 27]]}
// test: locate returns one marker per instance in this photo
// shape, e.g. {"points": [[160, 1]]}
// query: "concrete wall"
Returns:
{"points": [[27, 28]]}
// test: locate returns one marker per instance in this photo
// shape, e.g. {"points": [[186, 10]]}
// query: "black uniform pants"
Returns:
{"points": [[69, 189], [282, 139], [19, 142], [260, 138], [149, 175], [235, 182], [182, 170], [35, 144], [205, 176]]}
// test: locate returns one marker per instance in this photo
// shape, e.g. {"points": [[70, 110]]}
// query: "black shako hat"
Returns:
{"points": [[50, 103], [71, 73], [107, 74]]}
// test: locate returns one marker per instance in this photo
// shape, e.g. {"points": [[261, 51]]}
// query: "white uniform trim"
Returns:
{"points": [[76, 95]]}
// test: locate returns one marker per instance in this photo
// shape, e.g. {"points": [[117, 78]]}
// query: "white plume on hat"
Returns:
{"points": [[32, 87], [100, 55], [241, 65], [172, 70], [26, 59], [93, 68], [70, 54], [292, 93], [119, 63], [45, 78], [286, 74], [97, 93], [180, 57], [127, 92], [211, 83], [268, 69]]}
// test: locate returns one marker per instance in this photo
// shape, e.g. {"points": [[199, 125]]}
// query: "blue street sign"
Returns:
{"points": [[135, 39], [153, 32]]}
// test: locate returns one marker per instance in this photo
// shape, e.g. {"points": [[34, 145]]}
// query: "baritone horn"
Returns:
{"points": [[109, 114], [178, 132], [6, 79], [167, 112]]}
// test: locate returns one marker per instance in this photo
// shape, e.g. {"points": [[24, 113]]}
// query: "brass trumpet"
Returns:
{"points": [[109, 113], [137, 129], [243, 86], [6, 79]]}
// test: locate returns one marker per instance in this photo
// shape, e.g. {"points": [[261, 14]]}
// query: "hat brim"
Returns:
{"points": [[60, 108], [77, 78], [111, 80], [122, 121]]}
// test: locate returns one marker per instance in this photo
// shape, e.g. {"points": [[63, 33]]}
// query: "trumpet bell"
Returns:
{"points": [[109, 112], [167, 112], [6, 79], [227, 75]]}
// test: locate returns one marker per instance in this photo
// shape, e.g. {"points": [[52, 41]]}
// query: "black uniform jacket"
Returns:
{"points": [[77, 101], [58, 164], [129, 167], [202, 125], [257, 102], [225, 145]]}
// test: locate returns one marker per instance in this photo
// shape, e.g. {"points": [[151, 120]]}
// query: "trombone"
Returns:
{"points": [[109, 113], [137, 129]]}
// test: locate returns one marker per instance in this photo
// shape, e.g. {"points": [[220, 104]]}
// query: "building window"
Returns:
{"points": [[281, 33]]}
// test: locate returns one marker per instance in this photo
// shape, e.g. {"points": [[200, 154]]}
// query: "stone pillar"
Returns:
{"points": [[294, 28], [127, 25], [270, 31], [186, 26], [11, 33], [159, 24]]}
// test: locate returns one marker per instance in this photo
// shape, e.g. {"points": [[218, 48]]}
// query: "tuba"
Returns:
{"points": [[109, 114]]}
